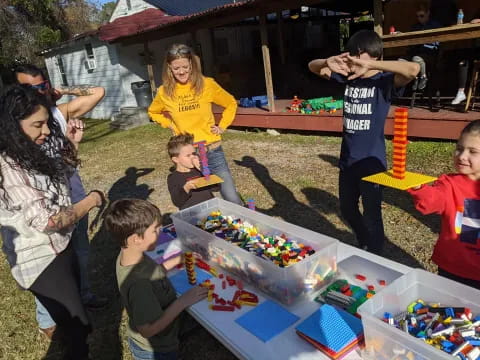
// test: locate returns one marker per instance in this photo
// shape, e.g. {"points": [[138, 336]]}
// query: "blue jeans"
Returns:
{"points": [[81, 247], [218, 166], [368, 227], [141, 354]]}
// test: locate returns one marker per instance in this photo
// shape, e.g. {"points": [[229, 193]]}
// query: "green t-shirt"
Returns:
{"points": [[146, 293]]}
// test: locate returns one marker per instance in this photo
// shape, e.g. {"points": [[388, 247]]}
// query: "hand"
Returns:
{"points": [[339, 64], [475, 21], [217, 130], [359, 67], [98, 196], [190, 185], [75, 129], [196, 162], [56, 94], [171, 263], [194, 295]]}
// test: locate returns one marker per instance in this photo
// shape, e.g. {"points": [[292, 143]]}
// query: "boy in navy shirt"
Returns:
{"points": [[369, 85]]}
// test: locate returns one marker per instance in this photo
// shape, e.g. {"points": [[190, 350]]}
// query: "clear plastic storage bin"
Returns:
{"points": [[386, 341], [284, 284]]}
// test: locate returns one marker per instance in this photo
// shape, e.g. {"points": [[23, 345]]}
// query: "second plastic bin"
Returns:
{"points": [[284, 284], [385, 340]]}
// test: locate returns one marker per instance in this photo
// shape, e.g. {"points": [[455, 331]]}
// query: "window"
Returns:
{"points": [[89, 51], [90, 62], [61, 70]]}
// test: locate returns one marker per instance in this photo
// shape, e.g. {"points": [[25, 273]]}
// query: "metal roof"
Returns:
{"points": [[188, 7]]}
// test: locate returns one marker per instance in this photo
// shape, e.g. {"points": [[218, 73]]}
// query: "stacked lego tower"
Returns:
{"points": [[190, 268], [400, 143], [251, 204], [202, 152]]}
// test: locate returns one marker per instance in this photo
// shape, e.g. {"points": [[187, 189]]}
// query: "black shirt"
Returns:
{"points": [[176, 180]]}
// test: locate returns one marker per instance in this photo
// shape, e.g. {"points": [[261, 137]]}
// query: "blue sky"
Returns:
{"points": [[101, 1]]}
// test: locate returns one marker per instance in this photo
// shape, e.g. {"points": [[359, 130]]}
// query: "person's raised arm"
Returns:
{"points": [[87, 97], [405, 71], [68, 216], [325, 67]]}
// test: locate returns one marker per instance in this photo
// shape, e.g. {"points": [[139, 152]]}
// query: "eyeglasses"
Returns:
{"points": [[420, 16], [44, 85], [179, 51]]}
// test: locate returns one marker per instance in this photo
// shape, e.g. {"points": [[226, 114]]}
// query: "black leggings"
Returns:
{"points": [[58, 290]]}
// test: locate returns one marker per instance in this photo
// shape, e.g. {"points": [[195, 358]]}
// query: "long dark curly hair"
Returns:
{"points": [[55, 159]]}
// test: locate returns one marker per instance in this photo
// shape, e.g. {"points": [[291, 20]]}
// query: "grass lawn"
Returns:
{"points": [[293, 177]]}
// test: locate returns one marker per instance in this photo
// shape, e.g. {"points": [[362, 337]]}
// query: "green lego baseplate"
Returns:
{"points": [[338, 297]]}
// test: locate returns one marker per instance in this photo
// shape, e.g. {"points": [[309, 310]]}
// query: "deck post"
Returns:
{"points": [[378, 17], [149, 62], [281, 41], [266, 63]]}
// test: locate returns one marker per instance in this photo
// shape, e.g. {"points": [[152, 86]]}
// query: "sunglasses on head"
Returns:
{"points": [[181, 50], [44, 85]]}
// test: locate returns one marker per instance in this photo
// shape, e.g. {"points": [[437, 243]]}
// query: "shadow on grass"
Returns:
{"points": [[290, 209], [105, 342], [399, 199], [97, 129], [310, 216]]}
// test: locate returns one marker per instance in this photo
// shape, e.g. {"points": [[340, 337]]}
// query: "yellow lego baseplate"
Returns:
{"points": [[202, 182], [411, 180]]}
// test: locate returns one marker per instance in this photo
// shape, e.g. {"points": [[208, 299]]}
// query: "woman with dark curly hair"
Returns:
{"points": [[36, 215]]}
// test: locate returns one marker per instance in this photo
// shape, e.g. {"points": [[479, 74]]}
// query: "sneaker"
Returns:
{"points": [[415, 84], [48, 332], [96, 302], [459, 98], [422, 84]]}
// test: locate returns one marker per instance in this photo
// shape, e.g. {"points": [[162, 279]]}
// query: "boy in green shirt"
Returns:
{"points": [[148, 295]]}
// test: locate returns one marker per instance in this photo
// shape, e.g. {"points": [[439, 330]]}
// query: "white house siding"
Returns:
{"points": [[131, 68], [122, 8], [106, 74]]}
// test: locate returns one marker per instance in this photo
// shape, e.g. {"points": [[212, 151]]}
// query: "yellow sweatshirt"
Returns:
{"points": [[193, 114]]}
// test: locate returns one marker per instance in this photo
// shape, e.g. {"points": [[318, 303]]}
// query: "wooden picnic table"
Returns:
{"points": [[443, 34]]}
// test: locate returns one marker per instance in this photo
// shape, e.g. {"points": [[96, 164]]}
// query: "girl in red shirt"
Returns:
{"points": [[456, 197]]}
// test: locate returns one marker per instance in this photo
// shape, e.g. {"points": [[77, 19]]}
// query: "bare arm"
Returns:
{"points": [[192, 296], [69, 216], [320, 68], [325, 67], [405, 71], [87, 97]]}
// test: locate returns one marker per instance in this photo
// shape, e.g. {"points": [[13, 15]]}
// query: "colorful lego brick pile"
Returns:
{"points": [[345, 295], [278, 249], [315, 106], [239, 299], [451, 329]]}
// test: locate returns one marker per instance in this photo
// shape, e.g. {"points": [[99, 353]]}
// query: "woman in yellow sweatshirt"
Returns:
{"points": [[186, 97]]}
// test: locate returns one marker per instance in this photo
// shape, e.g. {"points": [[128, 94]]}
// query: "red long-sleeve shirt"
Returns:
{"points": [[457, 199]]}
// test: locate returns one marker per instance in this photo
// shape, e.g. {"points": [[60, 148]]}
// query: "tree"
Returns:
{"points": [[106, 12], [29, 26]]}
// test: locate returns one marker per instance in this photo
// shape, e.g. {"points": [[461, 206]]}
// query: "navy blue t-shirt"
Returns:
{"points": [[366, 105]]}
